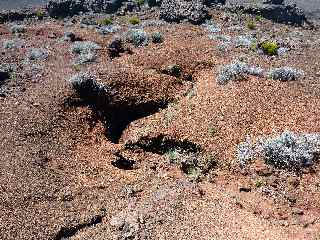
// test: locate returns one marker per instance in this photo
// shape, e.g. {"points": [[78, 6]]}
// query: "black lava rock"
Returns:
{"points": [[123, 163], [65, 8], [115, 48], [179, 10], [275, 10]]}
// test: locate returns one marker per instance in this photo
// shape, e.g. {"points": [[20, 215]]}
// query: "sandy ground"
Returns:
{"points": [[57, 178]]}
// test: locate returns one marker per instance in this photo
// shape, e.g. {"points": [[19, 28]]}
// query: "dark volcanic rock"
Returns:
{"points": [[123, 163], [16, 15], [214, 2], [276, 10], [5, 71], [3, 76], [106, 6], [64, 8], [115, 48], [178, 10]]}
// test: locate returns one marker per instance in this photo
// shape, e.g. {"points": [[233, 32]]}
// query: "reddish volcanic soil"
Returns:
{"points": [[58, 179]]}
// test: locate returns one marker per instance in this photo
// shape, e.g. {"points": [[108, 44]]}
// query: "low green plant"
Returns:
{"points": [[212, 130], [77, 67], [254, 46], [134, 20], [40, 14], [259, 18], [140, 2], [157, 37], [251, 25], [269, 47], [259, 184], [105, 21]]}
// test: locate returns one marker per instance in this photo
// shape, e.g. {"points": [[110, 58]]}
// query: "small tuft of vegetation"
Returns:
{"points": [[140, 2], [251, 25], [259, 183], [157, 37], [105, 21], [212, 130], [286, 151], [237, 71], [37, 54], [292, 151], [270, 47], [211, 27], [285, 74], [40, 14], [9, 44], [194, 165], [106, 29], [137, 37], [17, 28], [259, 18], [282, 51], [244, 41], [86, 51], [134, 20], [83, 47], [224, 46], [86, 57]]}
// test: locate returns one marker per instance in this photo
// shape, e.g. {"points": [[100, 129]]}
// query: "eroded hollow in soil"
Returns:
{"points": [[122, 95], [162, 144]]}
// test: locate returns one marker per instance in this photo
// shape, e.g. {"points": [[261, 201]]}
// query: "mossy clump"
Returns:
{"points": [[270, 47], [157, 37], [134, 20], [40, 14], [140, 2], [105, 21], [258, 18], [251, 25]]}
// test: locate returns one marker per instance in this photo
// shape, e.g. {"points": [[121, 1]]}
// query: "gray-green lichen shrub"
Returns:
{"points": [[288, 150], [84, 47], [17, 28], [157, 37], [237, 71], [285, 74], [86, 51], [137, 37], [9, 44], [37, 54], [292, 151]]}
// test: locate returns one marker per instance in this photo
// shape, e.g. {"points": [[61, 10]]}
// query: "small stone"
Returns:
{"points": [[123, 163], [245, 189], [69, 36], [117, 222], [115, 48], [297, 211]]}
